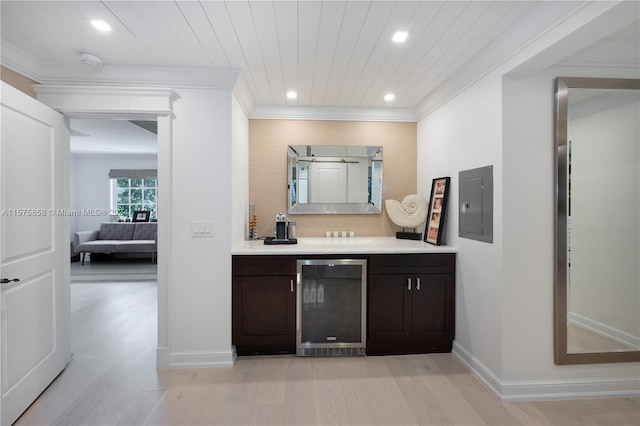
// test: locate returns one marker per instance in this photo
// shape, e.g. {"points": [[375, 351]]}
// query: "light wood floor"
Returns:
{"points": [[581, 340], [114, 270], [112, 380]]}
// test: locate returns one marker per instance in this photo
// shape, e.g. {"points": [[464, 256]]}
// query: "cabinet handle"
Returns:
{"points": [[409, 284], [418, 283], [291, 286]]}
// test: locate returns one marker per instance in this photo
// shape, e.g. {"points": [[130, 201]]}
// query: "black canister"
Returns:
{"points": [[281, 230]]}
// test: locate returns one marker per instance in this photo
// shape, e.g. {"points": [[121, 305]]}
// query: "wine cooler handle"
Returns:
{"points": [[409, 284], [418, 283]]}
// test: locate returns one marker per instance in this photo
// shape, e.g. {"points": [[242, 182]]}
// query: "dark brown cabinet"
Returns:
{"points": [[264, 304], [411, 303]]}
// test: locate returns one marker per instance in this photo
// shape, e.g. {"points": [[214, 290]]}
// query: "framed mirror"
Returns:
{"points": [[597, 228], [334, 179]]}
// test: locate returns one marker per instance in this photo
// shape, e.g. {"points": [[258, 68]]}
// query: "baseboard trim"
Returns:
{"points": [[162, 358], [478, 368], [533, 390], [167, 360]]}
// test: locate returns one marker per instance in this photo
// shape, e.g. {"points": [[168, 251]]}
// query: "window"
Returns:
{"points": [[132, 194]]}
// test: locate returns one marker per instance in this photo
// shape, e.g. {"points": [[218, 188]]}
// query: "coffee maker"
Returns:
{"points": [[284, 231]]}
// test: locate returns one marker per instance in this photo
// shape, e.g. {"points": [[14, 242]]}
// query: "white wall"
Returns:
{"points": [[504, 290], [528, 229], [240, 179], [200, 277], [91, 185], [528, 196], [465, 134], [194, 172]]}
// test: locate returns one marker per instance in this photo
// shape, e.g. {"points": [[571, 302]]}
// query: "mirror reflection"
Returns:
{"points": [[332, 179], [598, 232], [603, 221]]}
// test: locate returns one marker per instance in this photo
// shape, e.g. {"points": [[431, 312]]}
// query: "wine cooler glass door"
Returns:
{"points": [[331, 317]]}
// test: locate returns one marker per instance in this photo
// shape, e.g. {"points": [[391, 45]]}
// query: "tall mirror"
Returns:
{"points": [[334, 179], [597, 282]]}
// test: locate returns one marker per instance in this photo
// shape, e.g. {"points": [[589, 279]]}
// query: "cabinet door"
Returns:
{"points": [[264, 310], [389, 315], [432, 313]]}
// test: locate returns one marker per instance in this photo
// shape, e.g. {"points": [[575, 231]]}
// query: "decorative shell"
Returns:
{"points": [[410, 213]]}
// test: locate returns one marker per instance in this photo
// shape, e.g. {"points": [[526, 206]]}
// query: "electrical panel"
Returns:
{"points": [[476, 204]]}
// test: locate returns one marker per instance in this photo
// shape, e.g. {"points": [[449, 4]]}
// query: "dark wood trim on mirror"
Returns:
{"points": [[562, 86]]}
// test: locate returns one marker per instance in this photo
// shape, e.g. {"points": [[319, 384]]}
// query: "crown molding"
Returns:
{"points": [[243, 94], [141, 76], [581, 27], [66, 76], [599, 64], [577, 41], [20, 62], [117, 75], [88, 101], [265, 112]]}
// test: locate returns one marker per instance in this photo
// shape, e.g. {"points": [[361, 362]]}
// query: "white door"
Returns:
{"points": [[34, 248], [327, 183]]}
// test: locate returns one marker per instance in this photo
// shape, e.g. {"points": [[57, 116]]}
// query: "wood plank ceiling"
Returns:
{"points": [[333, 53]]}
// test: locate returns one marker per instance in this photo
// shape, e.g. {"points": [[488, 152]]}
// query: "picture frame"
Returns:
{"points": [[434, 229], [141, 216]]}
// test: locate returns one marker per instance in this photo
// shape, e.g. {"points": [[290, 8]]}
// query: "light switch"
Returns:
{"points": [[202, 229]]}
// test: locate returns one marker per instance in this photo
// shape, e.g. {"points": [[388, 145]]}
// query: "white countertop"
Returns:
{"points": [[356, 245]]}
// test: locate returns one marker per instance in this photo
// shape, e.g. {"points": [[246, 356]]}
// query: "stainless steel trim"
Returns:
{"points": [[561, 355], [332, 348], [331, 351]]}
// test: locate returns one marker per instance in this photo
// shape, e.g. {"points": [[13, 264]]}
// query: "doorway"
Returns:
{"points": [[113, 174], [133, 103]]}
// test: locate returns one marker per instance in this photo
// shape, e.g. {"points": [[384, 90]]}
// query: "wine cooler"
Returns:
{"points": [[331, 307]]}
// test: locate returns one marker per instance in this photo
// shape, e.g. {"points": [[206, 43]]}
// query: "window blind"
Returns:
{"points": [[133, 173]]}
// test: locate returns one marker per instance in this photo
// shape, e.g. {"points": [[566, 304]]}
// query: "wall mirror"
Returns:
{"points": [[597, 282], [333, 179]]}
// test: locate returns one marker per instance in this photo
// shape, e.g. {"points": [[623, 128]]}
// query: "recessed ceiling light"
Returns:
{"points": [[389, 97], [292, 94], [100, 25], [400, 36]]}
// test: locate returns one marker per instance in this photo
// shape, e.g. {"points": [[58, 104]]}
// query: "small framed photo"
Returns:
{"points": [[434, 232], [141, 216]]}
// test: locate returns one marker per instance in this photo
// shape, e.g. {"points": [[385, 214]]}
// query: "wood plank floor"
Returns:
{"points": [[114, 270], [112, 380], [582, 340]]}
